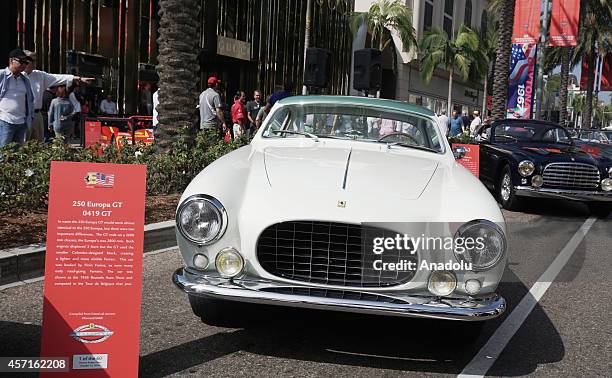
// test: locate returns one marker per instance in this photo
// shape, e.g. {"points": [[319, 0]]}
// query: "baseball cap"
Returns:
{"points": [[213, 80], [17, 54]]}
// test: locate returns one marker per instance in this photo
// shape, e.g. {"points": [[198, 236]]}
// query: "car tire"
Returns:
{"points": [[214, 312], [601, 210], [505, 190]]}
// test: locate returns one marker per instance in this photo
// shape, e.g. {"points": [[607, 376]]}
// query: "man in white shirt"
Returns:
{"points": [[108, 106], [41, 80], [443, 118], [16, 100], [475, 122]]}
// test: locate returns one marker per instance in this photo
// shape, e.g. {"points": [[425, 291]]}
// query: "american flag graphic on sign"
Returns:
{"points": [[99, 180], [520, 62]]}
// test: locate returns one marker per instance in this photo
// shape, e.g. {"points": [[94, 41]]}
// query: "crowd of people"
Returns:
{"points": [[244, 117], [459, 124], [36, 105]]}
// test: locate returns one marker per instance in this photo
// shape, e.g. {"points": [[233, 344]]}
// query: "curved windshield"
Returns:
{"points": [[517, 132], [354, 123]]}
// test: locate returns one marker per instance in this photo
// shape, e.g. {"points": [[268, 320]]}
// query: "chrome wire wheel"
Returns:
{"points": [[506, 187]]}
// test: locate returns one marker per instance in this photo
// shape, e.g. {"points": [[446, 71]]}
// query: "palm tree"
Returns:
{"points": [[505, 10], [383, 17], [593, 39], [485, 59], [178, 68], [455, 55], [562, 55]]}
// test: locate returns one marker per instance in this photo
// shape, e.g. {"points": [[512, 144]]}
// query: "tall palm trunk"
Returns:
{"points": [[502, 63], [588, 106], [178, 68], [565, 68], [449, 105]]}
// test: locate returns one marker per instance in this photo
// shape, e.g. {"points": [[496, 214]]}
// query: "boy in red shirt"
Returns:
{"points": [[238, 117]]}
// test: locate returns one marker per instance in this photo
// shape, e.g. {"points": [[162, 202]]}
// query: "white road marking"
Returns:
{"points": [[488, 354]]}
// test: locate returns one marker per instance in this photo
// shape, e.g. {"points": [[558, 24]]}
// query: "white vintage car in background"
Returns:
{"points": [[288, 220]]}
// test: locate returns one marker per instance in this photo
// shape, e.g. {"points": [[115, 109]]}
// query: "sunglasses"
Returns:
{"points": [[22, 61]]}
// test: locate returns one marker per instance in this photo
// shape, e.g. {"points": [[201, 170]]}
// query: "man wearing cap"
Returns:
{"points": [[475, 123], [211, 112], [41, 80], [16, 100]]}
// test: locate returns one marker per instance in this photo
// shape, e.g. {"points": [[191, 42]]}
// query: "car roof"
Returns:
{"points": [[357, 101], [526, 121]]}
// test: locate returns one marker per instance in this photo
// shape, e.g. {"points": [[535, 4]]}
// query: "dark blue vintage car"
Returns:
{"points": [[528, 158]]}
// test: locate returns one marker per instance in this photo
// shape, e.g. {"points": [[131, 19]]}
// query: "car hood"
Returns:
{"points": [[393, 172], [553, 152]]}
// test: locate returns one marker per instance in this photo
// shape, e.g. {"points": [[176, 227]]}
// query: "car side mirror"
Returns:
{"points": [[459, 152]]}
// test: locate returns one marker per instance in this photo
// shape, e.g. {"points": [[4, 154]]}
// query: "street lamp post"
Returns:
{"points": [[540, 58], [308, 27]]}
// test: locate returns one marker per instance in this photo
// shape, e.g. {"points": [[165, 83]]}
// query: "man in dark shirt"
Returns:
{"points": [[465, 118], [252, 108], [48, 96]]}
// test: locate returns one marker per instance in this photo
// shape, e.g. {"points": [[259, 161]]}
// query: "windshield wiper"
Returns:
{"points": [[422, 148], [309, 135]]}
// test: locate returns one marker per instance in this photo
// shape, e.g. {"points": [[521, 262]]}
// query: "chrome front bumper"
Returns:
{"points": [[575, 195], [253, 290]]}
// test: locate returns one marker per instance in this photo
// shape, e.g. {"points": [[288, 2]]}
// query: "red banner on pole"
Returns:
{"points": [[471, 160], [526, 22], [606, 74], [93, 268], [564, 22]]}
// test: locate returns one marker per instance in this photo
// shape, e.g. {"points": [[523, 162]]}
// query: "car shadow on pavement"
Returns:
{"points": [[400, 344], [554, 208]]}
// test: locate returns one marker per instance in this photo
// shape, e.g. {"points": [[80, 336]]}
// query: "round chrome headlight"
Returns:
{"points": [[442, 283], [201, 219], [526, 168], [486, 246], [229, 263], [606, 184]]}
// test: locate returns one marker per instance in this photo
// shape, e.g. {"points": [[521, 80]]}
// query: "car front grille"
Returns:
{"points": [[330, 253], [331, 293], [571, 175]]}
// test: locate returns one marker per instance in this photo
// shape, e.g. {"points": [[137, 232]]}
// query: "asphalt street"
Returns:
{"points": [[567, 333]]}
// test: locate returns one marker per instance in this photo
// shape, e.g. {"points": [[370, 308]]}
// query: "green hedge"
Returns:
{"points": [[24, 172]]}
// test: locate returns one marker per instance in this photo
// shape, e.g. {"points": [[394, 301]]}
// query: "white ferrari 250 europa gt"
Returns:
{"points": [[347, 204]]}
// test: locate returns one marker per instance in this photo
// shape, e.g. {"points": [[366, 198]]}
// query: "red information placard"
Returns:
{"points": [[471, 160], [93, 268]]}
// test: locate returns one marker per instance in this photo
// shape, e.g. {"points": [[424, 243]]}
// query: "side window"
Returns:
{"points": [[433, 136]]}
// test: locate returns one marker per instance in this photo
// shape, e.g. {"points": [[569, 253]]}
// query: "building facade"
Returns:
{"points": [[248, 44], [401, 68]]}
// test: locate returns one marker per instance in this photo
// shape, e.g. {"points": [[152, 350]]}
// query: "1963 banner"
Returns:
{"points": [[564, 22], [520, 81]]}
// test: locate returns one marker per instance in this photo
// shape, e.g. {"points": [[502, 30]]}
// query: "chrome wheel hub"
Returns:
{"points": [[506, 187]]}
